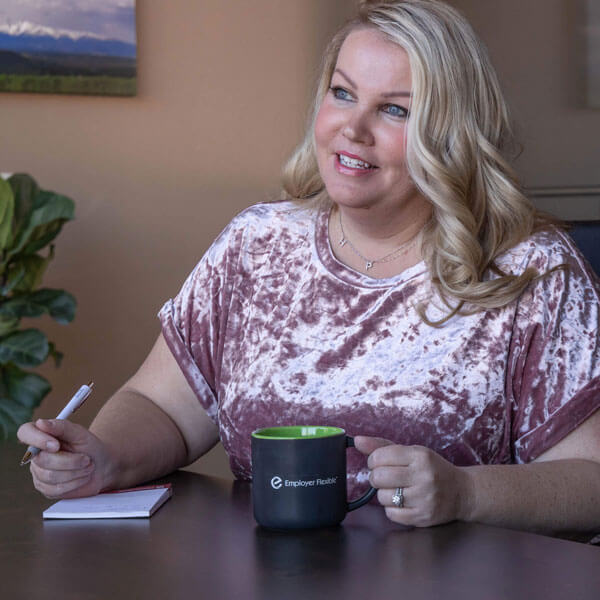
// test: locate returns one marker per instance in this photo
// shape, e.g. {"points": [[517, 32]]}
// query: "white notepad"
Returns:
{"points": [[121, 504]]}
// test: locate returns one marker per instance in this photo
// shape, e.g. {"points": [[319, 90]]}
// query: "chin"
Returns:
{"points": [[346, 195], [351, 200]]}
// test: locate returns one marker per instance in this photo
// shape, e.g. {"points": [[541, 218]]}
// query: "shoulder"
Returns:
{"points": [[565, 282], [262, 229], [544, 250], [273, 215]]}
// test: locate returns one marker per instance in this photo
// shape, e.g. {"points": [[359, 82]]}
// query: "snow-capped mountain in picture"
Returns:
{"points": [[28, 37]]}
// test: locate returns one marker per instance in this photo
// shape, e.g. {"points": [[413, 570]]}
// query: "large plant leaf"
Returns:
{"points": [[8, 325], [7, 207], [60, 305], [16, 273], [25, 189], [20, 394], [25, 274], [12, 415], [42, 236], [27, 348], [28, 389], [21, 306], [48, 213]]}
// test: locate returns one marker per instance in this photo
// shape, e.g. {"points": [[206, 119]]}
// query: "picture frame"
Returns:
{"points": [[71, 47]]}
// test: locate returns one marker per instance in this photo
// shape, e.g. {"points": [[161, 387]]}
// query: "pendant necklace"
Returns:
{"points": [[400, 251]]}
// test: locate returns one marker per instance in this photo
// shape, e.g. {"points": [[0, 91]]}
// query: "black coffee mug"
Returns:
{"points": [[299, 477]]}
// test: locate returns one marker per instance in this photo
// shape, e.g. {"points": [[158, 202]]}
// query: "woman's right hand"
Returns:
{"points": [[72, 463]]}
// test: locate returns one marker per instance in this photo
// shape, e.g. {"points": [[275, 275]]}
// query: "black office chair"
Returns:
{"points": [[586, 235]]}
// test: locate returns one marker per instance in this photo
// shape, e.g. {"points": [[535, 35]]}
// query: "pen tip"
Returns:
{"points": [[91, 384]]}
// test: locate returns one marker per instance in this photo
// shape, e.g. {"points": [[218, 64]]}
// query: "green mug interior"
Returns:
{"points": [[297, 432]]}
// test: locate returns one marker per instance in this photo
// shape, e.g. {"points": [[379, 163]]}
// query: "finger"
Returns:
{"points": [[52, 477], [64, 430], [367, 444], [32, 435], [61, 490], [389, 477], [404, 516], [61, 461], [385, 496], [393, 456]]}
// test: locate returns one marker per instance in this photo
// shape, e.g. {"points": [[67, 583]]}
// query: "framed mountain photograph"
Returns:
{"points": [[68, 47]]}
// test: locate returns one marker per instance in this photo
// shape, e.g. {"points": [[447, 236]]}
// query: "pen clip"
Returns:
{"points": [[90, 385]]}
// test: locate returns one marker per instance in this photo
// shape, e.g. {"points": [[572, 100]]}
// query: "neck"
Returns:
{"points": [[378, 243], [379, 232]]}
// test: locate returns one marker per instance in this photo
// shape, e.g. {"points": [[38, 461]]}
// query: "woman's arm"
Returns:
{"points": [[151, 426], [556, 494], [154, 424]]}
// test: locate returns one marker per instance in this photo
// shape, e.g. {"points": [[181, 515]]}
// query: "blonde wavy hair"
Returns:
{"points": [[458, 137]]}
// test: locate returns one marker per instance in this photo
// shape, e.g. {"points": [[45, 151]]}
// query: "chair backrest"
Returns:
{"points": [[586, 235]]}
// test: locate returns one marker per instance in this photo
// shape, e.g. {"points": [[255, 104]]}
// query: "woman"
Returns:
{"points": [[405, 290]]}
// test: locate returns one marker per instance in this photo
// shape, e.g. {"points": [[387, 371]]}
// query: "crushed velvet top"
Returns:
{"points": [[271, 329]]}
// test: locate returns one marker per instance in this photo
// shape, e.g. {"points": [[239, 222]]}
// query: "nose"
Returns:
{"points": [[357, 128]]}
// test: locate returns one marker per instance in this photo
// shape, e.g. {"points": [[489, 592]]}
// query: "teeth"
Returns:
{"points": [[353, 162]]}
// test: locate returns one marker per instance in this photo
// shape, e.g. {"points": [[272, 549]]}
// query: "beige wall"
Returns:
{"points": [[538, 48], [223, 91]]}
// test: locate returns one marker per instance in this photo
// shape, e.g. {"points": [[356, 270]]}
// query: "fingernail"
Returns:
{"points": [[52, 445]]}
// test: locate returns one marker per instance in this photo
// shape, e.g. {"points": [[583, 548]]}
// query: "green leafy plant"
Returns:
{"points": [[30, 218]]}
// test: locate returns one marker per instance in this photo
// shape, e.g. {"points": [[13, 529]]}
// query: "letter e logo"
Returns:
{"points": [[276, 482]]}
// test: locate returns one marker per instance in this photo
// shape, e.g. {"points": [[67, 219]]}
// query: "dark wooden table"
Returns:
{"points": [[204, 543]]}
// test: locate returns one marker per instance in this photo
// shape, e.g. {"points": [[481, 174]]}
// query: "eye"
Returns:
{"points": [[340, 93], [394, 110]]}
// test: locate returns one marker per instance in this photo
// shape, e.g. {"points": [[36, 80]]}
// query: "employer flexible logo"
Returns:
{"points": [[277, 482]]}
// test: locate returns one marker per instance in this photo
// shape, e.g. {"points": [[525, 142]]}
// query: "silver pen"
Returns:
{"points": [[74, 403]]}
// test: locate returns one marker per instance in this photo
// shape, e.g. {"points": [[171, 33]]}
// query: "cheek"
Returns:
{"points": [[393, 146], [319, 132], [325, 128]]}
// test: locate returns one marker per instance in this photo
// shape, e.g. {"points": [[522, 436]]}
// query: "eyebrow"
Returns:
{"points": [[402, 93]]}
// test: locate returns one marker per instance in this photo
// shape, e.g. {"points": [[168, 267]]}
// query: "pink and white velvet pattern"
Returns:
{"points": [[270, 329]]}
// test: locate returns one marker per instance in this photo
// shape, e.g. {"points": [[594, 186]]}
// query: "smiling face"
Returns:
{"points": [[360, 130]]}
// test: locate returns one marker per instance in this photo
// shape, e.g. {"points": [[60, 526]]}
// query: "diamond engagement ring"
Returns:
{"points": [[398, 498]]}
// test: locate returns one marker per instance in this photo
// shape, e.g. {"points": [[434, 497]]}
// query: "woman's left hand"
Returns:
{"points": [[434, 490]]}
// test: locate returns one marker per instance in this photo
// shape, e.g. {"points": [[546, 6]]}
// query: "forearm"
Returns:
{"points": [[554, 497], [142, 441]]}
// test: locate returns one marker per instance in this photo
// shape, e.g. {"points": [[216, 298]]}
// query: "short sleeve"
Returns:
{"points": [[553, 375], [192, 322]]}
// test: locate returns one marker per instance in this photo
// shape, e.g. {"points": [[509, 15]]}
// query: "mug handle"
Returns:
{"points": [[369, 493]]}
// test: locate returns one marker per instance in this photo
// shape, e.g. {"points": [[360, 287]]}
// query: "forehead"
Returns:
{"points": [[373, 61]]}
